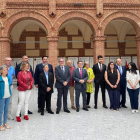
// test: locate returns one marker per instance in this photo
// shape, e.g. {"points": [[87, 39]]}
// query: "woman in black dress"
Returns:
{"points": [[112, 77]]}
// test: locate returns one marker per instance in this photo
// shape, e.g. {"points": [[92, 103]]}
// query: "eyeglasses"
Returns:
{"points": [[61, 61]]}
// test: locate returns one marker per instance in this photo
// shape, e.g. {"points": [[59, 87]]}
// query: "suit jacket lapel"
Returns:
{"points": [[49, 80], [82, 72], [44, 77], [78, 72], [60, 69], [98, 67]]}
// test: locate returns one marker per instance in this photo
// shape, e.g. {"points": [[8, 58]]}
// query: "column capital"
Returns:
{"points": [[5, 39], [52, 38], [137, 38], [98, 38]]}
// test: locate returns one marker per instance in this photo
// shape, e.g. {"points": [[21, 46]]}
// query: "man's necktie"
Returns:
{"points": [[81, 73], [100, 67], [120, 70], [47, 79], [63, 70]]}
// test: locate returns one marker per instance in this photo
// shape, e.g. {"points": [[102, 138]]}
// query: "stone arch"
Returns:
{"points": [[74, 15], [132, 18], [24, 15]]}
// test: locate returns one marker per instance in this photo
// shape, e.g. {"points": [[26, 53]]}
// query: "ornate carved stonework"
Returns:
{"points": [[52, 38], [99, 38], [27, 5], [99, 8], [76, 5], [5, 39], [52, 8], [2, 14]]}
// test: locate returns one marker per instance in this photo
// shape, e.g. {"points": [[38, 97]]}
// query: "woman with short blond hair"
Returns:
{"points": [[25, 81]]}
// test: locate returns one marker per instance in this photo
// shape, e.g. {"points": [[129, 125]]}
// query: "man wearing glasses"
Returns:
{"points": [[63, 76], [11, 74]]}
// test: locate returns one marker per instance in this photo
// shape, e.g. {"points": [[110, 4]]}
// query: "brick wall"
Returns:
{"points": [[96, 16]]}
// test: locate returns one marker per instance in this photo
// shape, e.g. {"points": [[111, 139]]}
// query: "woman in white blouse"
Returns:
{"points": [[132, 77]]}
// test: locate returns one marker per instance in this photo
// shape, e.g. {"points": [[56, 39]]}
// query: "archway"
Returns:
{"points": [[75, 30]]}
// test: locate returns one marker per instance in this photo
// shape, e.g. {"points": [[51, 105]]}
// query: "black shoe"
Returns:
{"points": [[39, 110], [95, 107], [85, 109], [88, 106], [29, 112], [57, 112], [67, 111], [105, 106], [42, 112], [50, 111], [77, 109], [124, 106], [20, 114]]}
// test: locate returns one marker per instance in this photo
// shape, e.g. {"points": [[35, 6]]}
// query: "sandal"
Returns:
{"points": [[6, 126], [2, 129]]}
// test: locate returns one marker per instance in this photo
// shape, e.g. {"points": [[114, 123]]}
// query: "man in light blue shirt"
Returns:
{"points": [[11, 74], [46, 74]]}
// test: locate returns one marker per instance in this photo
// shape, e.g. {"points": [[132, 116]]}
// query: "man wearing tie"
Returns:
{"points": [[99, 71], [62, 74], [122, 83], [80, 76]]}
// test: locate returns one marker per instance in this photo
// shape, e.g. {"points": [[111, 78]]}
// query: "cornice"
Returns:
{"points": [[27, 5], [121, 5]]}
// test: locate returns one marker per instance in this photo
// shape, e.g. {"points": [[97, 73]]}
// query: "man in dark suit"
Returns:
{"points": [[80, 76], [122, 82], [24, 59], [46, 81], [62, 74], [17, 70], [99, 71], [38, 70]]}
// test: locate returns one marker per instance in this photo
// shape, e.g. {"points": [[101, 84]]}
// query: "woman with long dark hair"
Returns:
{"points": [[132, 77], [112, 77]]}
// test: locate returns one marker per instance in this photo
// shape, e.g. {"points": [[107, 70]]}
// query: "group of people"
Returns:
{"points": [[114, 78]]}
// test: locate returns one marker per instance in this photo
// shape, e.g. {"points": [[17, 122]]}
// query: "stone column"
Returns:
{"points": [[52, 50], [4, 48], [98, 47], [138, 51]]}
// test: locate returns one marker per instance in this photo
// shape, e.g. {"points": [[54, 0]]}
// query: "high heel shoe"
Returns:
{"points": [[26, 117], [18, 119]]}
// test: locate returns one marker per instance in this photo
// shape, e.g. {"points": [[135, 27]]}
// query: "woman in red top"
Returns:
{"points": [[25, 81]]}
